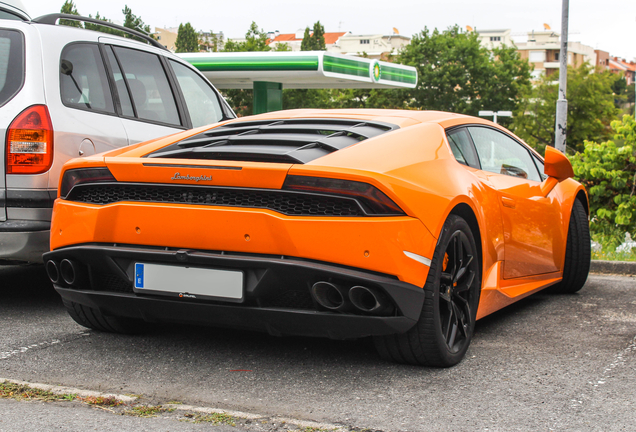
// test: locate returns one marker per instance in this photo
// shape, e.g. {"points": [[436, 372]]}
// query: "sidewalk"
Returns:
{"points": [[625, 268]]}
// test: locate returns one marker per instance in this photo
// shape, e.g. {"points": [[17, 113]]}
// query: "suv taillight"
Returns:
{"points": [[30, 142]]}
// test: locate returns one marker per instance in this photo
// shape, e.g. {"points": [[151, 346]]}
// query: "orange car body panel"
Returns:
{"points": [[413, 165]]}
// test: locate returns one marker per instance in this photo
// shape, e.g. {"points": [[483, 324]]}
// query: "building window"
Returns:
{"points": [[537, 56], [495, 38], [536, 74], [364, 41], [556, 56]]}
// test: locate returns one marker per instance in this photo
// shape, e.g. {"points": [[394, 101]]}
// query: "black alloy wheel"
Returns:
{"points": [[443, 333], [456, 279]]}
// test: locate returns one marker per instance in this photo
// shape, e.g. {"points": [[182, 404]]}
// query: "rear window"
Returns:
{"points": [[11, 64], [83, 82]]}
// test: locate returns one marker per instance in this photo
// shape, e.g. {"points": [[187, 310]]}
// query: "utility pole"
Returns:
{"points": [[562, 102]]}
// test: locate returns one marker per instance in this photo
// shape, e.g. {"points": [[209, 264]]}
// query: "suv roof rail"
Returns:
{"points": [[53, 18]]}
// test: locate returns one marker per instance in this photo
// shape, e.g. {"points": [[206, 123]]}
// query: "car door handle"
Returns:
{"points": [[508, 202]]}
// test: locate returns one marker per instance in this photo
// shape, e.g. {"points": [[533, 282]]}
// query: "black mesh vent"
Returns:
{"points": [[290, 300], [110, 282], [289, 203]]}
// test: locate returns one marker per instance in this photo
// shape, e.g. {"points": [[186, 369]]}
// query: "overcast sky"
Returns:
{"points": [[609, 25]]}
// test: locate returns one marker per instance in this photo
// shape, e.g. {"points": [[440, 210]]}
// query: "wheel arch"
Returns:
{"points": [[582, 196], [466, 212]]}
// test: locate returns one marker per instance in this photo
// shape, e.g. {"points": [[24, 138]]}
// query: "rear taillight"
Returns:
{"points": [[30, 142], [74, 177], [372, 199]]}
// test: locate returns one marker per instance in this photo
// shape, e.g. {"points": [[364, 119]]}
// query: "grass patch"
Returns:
{"points": [[147, 410], [614, 256], [9, 390], [214, 418], [101, 401], [608, 245]]}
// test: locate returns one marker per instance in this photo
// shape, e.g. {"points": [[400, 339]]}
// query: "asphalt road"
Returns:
{"points": [[546, 363]]}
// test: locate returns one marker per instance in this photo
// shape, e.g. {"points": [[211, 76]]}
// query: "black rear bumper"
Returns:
{"points": [[276, 292]]}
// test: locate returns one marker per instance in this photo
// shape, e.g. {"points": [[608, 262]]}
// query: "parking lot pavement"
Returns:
{"points": [[61, 416], [563, 362]]}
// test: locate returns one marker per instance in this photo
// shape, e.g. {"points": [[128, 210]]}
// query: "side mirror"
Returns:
{"points": [[557, 165]]}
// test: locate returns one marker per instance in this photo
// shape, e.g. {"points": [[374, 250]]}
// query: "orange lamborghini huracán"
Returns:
{"points": [[407, 226]]}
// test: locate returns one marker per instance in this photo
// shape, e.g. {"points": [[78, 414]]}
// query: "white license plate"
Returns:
{"points": [[189, 282]]}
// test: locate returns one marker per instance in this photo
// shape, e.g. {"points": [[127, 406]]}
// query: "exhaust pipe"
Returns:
{"points": [[370, 301], [331, 296], [52, 271], [68, 270]]}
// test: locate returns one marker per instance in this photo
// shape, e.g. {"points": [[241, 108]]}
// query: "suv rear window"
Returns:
{"points": [[83, 81], [11, 64]]}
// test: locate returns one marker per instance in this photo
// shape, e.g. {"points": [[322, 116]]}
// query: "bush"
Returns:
{"points": [[608, 172]]}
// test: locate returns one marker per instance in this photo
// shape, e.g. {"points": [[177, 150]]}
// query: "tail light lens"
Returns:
{"points": [[74, 177], [30, 142], [372, 199]]}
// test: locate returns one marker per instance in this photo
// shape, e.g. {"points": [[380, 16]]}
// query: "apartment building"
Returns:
{"points": [[376, 46], [209, 41], [623, 67], [294, 40], [167, 37], [542, 49]]}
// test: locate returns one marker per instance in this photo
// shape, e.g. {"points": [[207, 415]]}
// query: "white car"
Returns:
{"points": [[68, 92]]}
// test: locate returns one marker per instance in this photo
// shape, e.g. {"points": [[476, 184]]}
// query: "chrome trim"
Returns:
{"points": [[418, 258]]}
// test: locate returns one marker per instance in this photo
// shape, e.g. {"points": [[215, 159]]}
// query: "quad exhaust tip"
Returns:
{"points": [[370, 300], [68, 270], [343, 299], [330, 296], [52, 271]]}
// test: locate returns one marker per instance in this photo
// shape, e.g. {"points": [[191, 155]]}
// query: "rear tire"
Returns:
{"points": [[95, 320], [577, 253], [445, 328]]}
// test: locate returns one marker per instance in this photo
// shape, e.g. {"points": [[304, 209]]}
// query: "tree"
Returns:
{"points": [[255, 40], [314, 41], [590, 109], [102, 29], [306, 44], [457, 74], [608, 171], [134, 22], [211, 43], [187, 39], [311, 98], [70, 8]]}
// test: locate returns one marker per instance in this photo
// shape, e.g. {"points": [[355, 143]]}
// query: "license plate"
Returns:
{"points": [[189, 282]]}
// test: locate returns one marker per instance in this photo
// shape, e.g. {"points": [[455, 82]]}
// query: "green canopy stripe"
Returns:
{"points": [[399, 75], [345, 66], [308, 63]]}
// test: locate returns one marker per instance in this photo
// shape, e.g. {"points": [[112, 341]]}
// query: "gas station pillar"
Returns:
{"points": [[268, 96]]}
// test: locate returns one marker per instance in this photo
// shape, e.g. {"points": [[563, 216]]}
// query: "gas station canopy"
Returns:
{"points": [[300, 70], [269, 72]]}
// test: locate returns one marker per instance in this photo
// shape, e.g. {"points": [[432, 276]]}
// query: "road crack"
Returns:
{"points": [[4, 355]]}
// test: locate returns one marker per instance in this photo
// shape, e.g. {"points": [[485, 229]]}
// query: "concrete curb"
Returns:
{"points": [[625, 268], [60, 390], [305, 425]]}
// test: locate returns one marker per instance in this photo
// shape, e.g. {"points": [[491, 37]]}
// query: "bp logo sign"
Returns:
{"points": [[376, 71]]}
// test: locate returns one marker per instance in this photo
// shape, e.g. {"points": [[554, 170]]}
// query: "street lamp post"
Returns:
{"points": [[562, 101], [495, 114]]}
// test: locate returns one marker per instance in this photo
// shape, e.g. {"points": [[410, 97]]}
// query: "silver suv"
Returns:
{"points": [[69, 92]]}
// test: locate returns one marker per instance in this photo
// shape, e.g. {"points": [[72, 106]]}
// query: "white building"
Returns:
{"points": [[541, 49], [375, 46]]}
